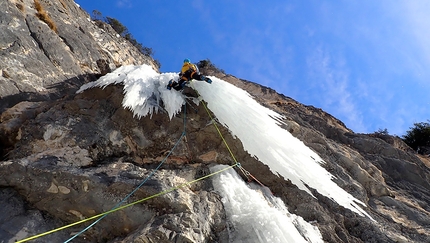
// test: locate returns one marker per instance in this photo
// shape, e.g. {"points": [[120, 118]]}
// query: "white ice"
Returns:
{"points": [[144, 89], [255, 215], [256, 126]]}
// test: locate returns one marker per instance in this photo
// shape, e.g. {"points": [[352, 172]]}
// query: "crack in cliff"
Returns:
{"points": [[67, 43], [38, 41]]}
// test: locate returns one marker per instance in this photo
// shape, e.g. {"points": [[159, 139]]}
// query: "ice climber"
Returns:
{"points": [[189, 71]]}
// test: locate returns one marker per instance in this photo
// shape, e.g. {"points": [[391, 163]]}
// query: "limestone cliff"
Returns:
{"points": [[54, 48], [67, 156]]}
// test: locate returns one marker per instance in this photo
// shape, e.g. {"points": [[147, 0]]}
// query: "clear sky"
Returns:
{"points": [[366, 63]]}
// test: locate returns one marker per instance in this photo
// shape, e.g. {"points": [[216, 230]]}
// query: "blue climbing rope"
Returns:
{"points": [[119, 207], [140, 185]]}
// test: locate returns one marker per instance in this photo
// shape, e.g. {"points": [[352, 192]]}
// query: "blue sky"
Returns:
{"points": [[364, 62]]}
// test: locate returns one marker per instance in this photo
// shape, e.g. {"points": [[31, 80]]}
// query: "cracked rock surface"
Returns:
{"points": [[66, 157]]}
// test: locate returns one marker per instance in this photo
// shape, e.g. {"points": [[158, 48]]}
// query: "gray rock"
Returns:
{"points": [[38, 63], [67, 156]]}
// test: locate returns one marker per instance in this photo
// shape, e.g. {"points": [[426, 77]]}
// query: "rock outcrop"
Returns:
{"points": [[380, 170], [55, 48], [67, 157]]}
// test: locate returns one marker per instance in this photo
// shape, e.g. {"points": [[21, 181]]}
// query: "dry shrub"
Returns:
{"points": [[63, 3], [5, 74], [43, 15], [20, 7]]}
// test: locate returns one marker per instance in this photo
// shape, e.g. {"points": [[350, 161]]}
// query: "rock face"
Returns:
{"points": [[42, 55], [66, 157], [380, 170]]}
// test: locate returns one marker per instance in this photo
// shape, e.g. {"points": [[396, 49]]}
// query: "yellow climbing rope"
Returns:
{"points": [[127, 205], [236, 163], [219, 132], [214, 122], [245, 172]]}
